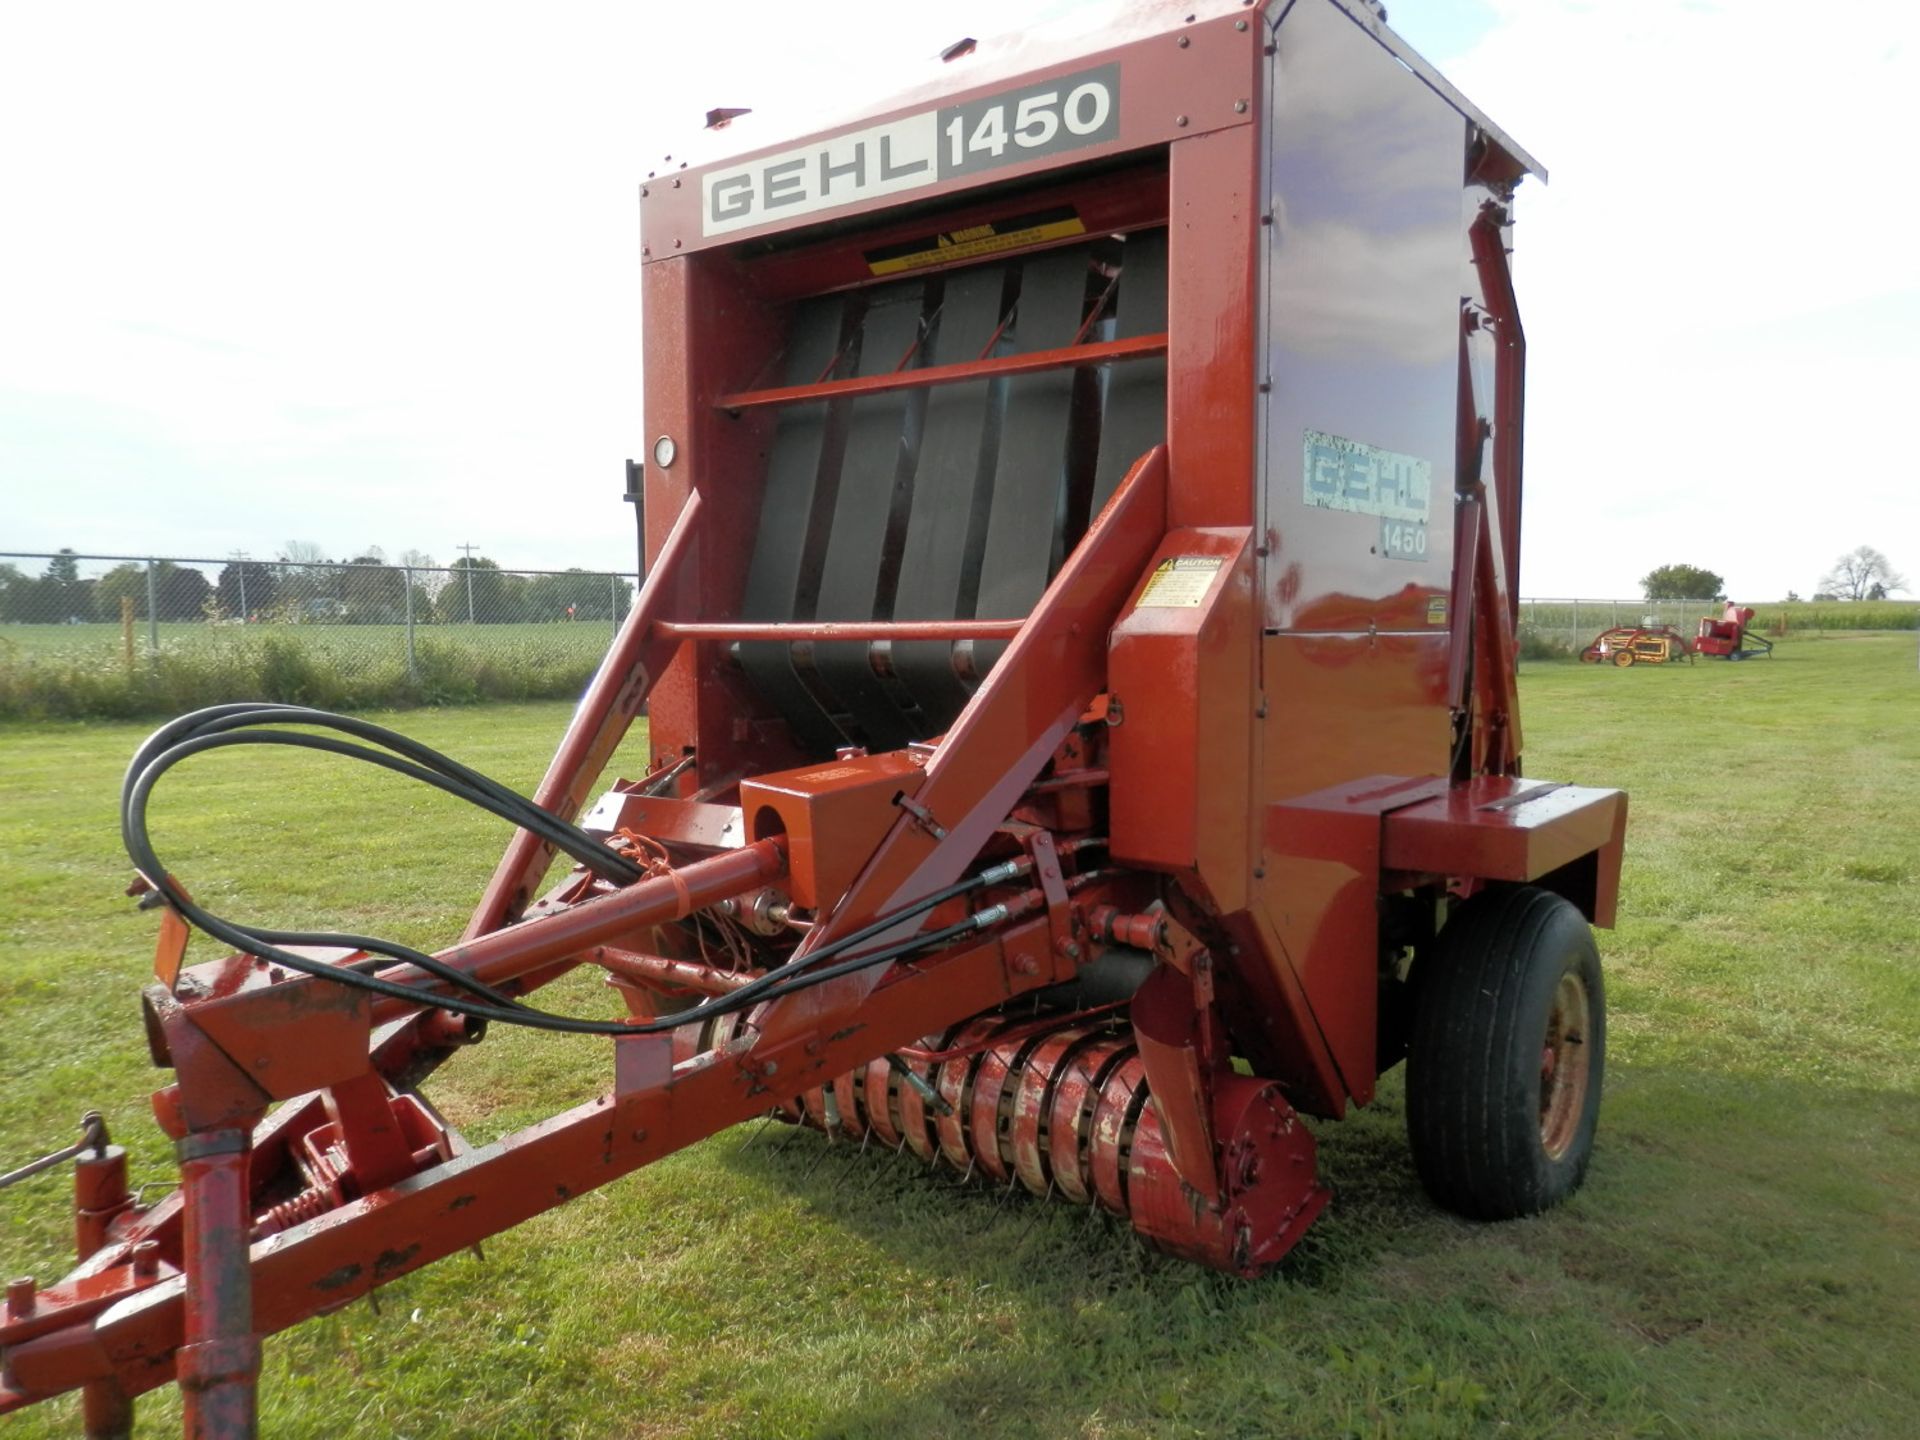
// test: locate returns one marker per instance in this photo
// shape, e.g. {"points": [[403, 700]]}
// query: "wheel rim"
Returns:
{"points": [[1623, 658], [1566, 1065]]}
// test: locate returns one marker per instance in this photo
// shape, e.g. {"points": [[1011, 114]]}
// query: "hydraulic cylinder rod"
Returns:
{"points": [[503, 955]]}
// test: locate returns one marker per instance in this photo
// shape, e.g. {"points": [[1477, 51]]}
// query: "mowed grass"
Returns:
{"points": [[1745, 1259]]}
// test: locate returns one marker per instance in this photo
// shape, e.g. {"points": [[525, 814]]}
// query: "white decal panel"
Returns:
{"points": [[1342, 474], [1043, 118]]}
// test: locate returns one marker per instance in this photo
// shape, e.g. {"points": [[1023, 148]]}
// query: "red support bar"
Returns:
{"points": [[612, 701], [101, 1196], [503, 955], [219, 1363], [843, 630], [1488, 241], [323, 1263], [1067, 357]]}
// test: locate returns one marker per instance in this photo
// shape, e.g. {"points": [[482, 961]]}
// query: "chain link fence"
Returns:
{"points": [[122, 635], [109, 635]]}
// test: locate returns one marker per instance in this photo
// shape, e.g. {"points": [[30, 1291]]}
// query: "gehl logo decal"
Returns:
{"points": [[1039, 119]]}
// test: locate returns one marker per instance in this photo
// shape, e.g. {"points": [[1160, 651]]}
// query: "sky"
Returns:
{"points": [[368, 274]]}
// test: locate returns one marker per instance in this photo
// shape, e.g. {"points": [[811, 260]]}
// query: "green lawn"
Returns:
{"points": [[1743, 1261]]}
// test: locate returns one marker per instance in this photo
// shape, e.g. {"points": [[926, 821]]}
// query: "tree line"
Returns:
{"points": [[1863, 573], [302, 586]]}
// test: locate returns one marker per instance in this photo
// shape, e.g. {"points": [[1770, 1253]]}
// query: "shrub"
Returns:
{"points": [[1544, 645], [49, 676]]}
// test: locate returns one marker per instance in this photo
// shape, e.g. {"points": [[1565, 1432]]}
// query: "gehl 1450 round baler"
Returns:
{"points": [[1080, 520]]}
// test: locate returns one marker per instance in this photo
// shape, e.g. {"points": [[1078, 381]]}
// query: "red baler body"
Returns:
{"points": [[1103, 464]]}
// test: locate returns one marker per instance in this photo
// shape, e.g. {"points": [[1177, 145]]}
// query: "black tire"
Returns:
{"points": [[1494, 1135]]}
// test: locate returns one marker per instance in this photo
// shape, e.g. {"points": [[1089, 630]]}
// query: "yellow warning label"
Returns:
{"points": [[832, 772], [971, 243], [1180, 582], [1437, 610]]}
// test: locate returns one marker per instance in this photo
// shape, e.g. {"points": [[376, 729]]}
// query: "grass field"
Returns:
{"points": [[1745, 1259]]}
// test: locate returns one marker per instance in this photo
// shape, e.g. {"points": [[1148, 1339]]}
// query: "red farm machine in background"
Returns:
{"points": [[1728, 638], [1078, 636]]}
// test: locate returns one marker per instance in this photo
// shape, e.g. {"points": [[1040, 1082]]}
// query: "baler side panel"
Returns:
{"points": [[1213, 325], [1363, 270], [1365, 264]]}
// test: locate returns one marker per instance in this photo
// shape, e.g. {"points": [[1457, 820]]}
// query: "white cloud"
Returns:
{"points": [[1730, 209], [369, 274]]}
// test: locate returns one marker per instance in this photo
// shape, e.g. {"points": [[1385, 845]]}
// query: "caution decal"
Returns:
{"points": [[1180, 582]]}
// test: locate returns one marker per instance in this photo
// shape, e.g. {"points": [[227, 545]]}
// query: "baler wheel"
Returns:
{"points": [[1507, 1055], [1623, 658]]}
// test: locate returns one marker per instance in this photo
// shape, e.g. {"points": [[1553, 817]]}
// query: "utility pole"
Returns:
{"points": [[153, 614], [239, 557], [469, 568]]}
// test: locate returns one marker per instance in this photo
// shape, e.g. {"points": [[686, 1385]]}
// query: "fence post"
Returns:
{"points": [[613, 603], [240, 569], [153, 614], [1573, 640], [411, 671]]}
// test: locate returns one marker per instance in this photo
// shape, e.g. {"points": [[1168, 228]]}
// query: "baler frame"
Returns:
{"points": [[1272, 877]]}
